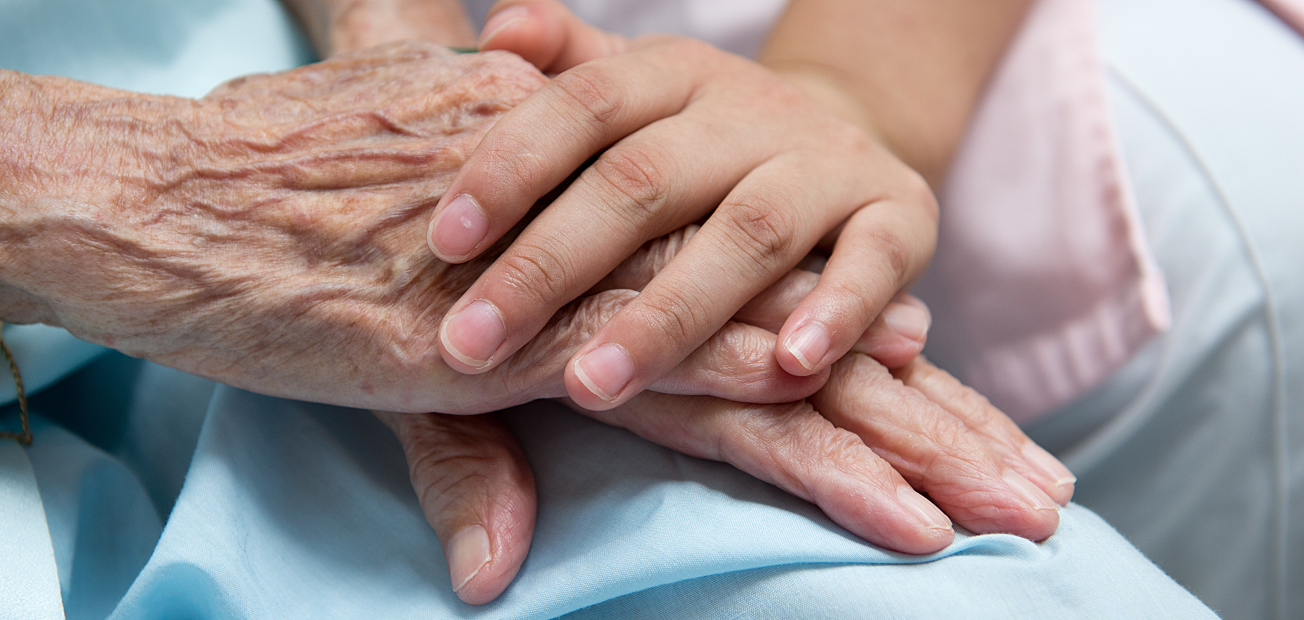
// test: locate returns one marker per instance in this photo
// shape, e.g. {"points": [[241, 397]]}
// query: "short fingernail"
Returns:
{"points": [[1048, 464], [474, 334], [924, 510], [809, 344], [468, 552], [1025, 489], [459, 229], [500, 19], [605, 370], [907, 320]]}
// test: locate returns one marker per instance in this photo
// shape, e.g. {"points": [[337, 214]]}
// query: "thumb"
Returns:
{"points": [[476, 491], [547, 34]]}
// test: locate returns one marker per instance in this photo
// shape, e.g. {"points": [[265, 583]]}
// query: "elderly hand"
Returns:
{"points": [[678, 131], [858, 449], [271, 235], [865, 449]]}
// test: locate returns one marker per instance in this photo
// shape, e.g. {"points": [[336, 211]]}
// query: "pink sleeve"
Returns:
{"points": [[1043, 284], [1290, 11]]}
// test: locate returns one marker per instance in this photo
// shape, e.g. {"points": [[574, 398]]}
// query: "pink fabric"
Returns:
{"points": [[1042, 285], [1290, 11]]}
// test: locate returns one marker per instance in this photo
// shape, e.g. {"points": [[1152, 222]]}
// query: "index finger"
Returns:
{"points": [[536, 146]]}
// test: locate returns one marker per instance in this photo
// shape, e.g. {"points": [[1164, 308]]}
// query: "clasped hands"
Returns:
{"points": [[656, 134], [281, 235]]}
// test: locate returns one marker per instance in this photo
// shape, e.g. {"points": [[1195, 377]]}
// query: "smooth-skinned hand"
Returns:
{"points": [[661, 132]]}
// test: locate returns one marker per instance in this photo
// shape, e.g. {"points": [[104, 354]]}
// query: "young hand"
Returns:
{"points": [[677, 131]]}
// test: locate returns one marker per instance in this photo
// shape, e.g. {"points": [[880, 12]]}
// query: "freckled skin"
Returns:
{"points": [[270, 235]]}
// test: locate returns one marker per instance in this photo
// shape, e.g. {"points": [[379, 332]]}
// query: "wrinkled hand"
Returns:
{"points": [[677, 131], [863, 449], [271, 235], [858, 449]]}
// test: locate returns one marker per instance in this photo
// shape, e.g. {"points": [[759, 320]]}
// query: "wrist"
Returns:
{"points": [[911, 142], [75, 158], [830, 91]]}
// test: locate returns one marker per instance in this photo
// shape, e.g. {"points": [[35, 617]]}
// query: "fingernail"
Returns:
{"points": [[460, 227], [474, 334], [1031, 495], [468, 552], [500, 20], [605, 370], [809, 344], [924, 510], [1048, 464], [907, 320]]}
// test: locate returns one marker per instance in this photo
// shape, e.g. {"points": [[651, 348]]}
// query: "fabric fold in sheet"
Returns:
{"points": [[299, 510], [44, 355], [29, 578]]}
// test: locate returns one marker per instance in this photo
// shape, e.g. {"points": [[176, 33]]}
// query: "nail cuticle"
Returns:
{"points": [[483, 320], [808, 344], [924, 511], [605, 371], [1026, 490]]}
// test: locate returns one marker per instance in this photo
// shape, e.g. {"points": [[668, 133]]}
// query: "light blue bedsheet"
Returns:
{"points": [[301, 510]]}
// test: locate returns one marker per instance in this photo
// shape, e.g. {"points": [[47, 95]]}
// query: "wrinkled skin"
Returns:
{"points": [[271, 235]]}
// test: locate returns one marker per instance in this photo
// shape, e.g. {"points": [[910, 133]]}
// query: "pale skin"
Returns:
{"points": [[272, 234], [860, 95], [923, 429]]}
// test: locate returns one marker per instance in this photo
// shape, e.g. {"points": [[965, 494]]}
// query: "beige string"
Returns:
{"points": [[25, 437]]}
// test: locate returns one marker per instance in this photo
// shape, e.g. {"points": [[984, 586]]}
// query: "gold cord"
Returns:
{"points": [[24, 437]]}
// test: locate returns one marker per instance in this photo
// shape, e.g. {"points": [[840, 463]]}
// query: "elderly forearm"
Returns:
{"points": [[340, 26], [909, 71]]}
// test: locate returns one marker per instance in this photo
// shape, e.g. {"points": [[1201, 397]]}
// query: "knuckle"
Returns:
{"points": [[449, 459], [774, 429], [791, 438], [893, 252], [733, 351], [854, 141], [514, 161], [677, 313], [762, 230], [858, 296], [640, 174], [838, 446], [538, 273], [592, 91], [950, 450], [788, 96]]}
